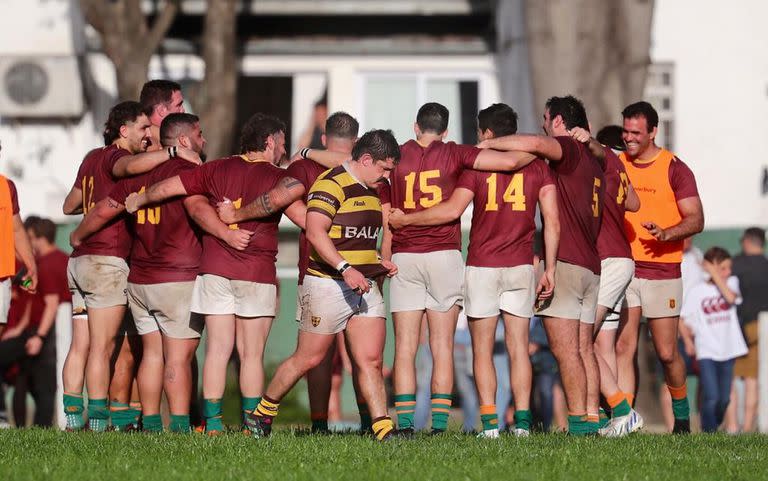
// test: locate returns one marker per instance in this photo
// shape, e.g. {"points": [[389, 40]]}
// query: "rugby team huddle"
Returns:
{"points": [[188, 245]]}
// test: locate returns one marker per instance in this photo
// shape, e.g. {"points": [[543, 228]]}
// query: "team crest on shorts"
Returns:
{"points": [[315, 321], [672, 303]]}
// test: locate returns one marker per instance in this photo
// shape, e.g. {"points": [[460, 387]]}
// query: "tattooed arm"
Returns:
{"points": [[281, 196], [98, 216]]}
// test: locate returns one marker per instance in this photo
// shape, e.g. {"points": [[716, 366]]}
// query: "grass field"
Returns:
{"points": [[287, 455]]}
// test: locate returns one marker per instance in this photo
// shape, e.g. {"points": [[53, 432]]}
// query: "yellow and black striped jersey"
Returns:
{"points": [[355, 212]]}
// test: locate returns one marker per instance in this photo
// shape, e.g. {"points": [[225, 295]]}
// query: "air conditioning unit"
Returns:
{"points": [[40, 86]]}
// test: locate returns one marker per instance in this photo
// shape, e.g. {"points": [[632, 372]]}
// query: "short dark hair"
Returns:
{"points": [[642, 109], [342, 126], [253, 137], [156, 92], [432, 117], [611, 136], [755, 235], [570, 109], [41, 228], [716, 255], [380, 144], [501, 119], [174, 125], [120, 115]]}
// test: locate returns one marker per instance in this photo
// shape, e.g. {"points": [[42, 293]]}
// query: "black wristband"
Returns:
{"points": [[343, 267], [304, 153], [171, 151], [37, 334]]}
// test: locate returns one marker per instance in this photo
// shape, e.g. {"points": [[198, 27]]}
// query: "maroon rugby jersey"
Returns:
{"points": [[612, 241], [305, 171], [683, 184], [96, 180], [241, 181], [504, 214], [52, 276], [166, 244], [580, 188], [424, 178], [14, 197]]}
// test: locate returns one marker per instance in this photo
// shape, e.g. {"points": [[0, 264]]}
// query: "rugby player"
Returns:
{"points": [[344, 219], [160, 98], [570, 314], [165, 260], [670, 210], [428, 256], [236, 290], [499, 278], [98, 273]]}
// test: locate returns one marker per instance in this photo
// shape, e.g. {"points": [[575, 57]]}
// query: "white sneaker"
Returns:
{"points": [[521, 433], [623, 425], [489, 434]]}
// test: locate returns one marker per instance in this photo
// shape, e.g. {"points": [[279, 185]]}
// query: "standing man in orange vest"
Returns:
{"points": [[670, 211], [13, 242]]}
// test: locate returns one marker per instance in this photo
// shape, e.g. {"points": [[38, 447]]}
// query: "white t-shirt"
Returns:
{"points": [[714, 323], [691, 271]]}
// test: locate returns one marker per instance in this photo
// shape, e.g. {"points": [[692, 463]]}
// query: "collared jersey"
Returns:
{"points": [[356, 220]]}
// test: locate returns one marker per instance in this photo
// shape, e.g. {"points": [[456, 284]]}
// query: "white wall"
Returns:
{"points": [[721, 100]]}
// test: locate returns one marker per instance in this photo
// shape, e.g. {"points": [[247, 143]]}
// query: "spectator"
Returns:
{"points": [[751, 268], [711, 332], [18, 319], [548, 399]]}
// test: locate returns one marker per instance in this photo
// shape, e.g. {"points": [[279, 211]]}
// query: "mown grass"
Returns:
{"points": [[290, 455]]}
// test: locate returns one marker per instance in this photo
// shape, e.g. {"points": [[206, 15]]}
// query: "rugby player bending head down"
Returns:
{"points": [[344, 220]]}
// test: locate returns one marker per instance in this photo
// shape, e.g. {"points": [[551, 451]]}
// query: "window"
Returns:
{"points": [[390, 101], [659, 91]]}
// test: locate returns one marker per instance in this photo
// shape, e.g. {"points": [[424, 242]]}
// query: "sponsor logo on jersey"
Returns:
{"points": [[362, 232]]}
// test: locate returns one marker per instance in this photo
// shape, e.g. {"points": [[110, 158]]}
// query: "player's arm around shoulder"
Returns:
{"points": [[439, 214], [528, 147], [287, 191]]}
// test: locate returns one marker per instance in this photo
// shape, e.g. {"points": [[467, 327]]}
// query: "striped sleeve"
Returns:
{"points": [[325, 197]]}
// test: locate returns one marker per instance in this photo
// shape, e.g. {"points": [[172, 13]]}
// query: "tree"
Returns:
{"points": [[214, 99], [597, 50], [129, 42], [127, 39]]}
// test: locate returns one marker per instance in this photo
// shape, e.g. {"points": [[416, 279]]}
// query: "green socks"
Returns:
{"points": [[98, 415], [523, 419], [366, 423], [248, 404], [405, 406], [622, 409], [212, 415], [579, 426], [121, 415], [441, 409], [179, 423], [73, 409], [488, 417], [153, 423], [681, 409]]}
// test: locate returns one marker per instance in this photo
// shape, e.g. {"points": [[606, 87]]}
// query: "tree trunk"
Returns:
{"points": [[127, 39], [215, 99], [597, 50]]}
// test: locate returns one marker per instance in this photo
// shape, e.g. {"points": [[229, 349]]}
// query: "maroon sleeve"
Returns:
{"points": [[467, 180], [545, 172], [14, 197], [385, 193], [298, 171], [123, 188], [196, 181], [682, 180], [571, 154], [112, 160], [466, 155], [46, 281]]}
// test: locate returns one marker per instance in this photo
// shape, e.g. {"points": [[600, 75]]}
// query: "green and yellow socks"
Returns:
{"points": [[73, 411], [405, 406], [441, 409], [121, 416], [489, 419], [212, 416], [619, 404], [247, 405]]}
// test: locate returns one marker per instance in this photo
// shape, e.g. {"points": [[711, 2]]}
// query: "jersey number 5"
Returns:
{"points": [[514, 194], [237, 204], [596, 198], [431, 194]]}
